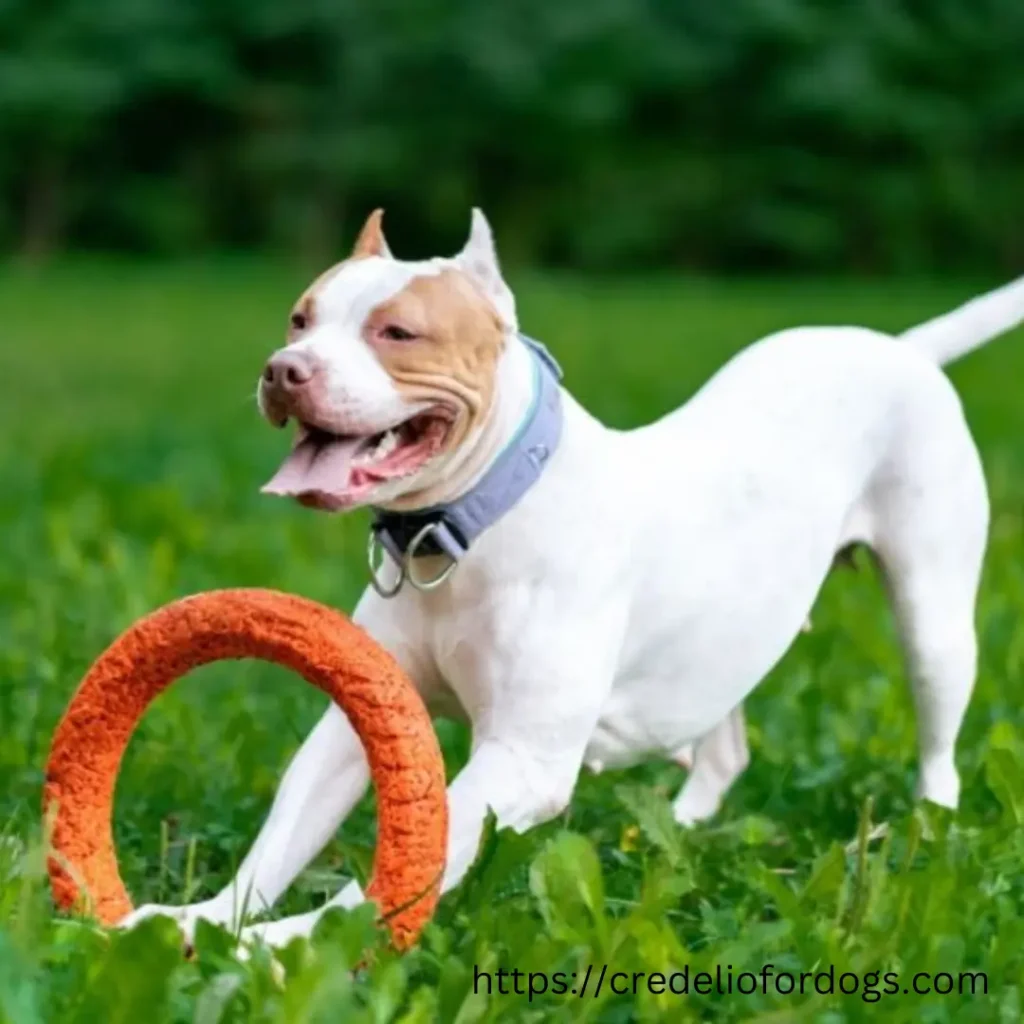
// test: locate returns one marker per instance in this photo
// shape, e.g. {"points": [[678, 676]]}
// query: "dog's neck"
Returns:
{"points": [[514, 387]]}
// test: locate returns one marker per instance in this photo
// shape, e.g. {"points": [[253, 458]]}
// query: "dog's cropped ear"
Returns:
{"points": [[479, 259], [371, 241]]}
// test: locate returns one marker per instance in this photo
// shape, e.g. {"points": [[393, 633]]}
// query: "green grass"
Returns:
{"points": [[130, 462]]}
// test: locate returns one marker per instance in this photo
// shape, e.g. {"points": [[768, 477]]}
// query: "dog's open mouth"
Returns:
{"points": [[331, 471]]}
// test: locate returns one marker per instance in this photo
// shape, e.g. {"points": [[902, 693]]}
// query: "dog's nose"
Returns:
{"points": [[288, 372]]}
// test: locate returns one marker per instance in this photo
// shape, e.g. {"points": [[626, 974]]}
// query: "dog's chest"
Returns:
{"points": [[474, 635]]}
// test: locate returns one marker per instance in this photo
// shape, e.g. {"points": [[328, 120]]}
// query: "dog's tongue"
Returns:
{"points": [[315, 465]]}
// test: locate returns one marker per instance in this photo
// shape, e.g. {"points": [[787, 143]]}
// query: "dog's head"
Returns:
{"points": [[388, 371]]}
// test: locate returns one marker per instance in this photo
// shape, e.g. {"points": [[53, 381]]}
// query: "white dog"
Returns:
{"points": [[588, 596]]}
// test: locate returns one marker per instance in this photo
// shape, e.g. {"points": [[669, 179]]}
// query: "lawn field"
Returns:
{"points": [[131, 456]]}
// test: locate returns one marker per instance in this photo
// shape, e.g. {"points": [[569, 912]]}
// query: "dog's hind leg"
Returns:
{"points": [[935, 611], [932, 531], [718, 759]]}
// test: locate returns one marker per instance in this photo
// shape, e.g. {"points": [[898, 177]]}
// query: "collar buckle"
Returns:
{"points": [[380, 541], [431, 530], [375, 549]]}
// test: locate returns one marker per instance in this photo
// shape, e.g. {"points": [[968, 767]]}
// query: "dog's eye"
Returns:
{"points": [[395, 333], [299, 321]]}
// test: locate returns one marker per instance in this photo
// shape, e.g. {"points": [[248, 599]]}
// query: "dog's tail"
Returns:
{"points": [[954, 334]]}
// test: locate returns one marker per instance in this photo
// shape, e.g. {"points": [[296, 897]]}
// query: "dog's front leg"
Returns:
{"points": [[522, 786], [323, 782], [530, 734]]}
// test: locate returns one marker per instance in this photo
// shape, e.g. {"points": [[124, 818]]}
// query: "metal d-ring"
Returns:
{"points": [[425, 586], [373, 548]]}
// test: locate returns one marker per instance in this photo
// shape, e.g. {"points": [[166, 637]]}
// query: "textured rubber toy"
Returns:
{"points": [[321, 645]]}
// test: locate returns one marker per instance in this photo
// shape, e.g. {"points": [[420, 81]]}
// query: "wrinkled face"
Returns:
{"points": [[388, 371]]}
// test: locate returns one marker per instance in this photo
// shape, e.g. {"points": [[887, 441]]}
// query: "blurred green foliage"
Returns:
{"points": [[880, 135]]}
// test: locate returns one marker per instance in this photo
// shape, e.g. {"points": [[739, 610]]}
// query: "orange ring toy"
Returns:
{"points": [[326, 649]]}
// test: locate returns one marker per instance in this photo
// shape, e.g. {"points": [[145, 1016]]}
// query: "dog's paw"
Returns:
{"points": [[691, 812], [276, 934], [247, 948], [187, 917]]}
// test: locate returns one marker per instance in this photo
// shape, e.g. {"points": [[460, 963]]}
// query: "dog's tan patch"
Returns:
{"points": [[453, 357]]}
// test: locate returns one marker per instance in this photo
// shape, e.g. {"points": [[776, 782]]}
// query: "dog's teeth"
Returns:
{"points": [[386, 445]]}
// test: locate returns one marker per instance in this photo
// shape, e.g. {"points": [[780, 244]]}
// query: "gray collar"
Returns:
{"points": [[450, 528]]}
